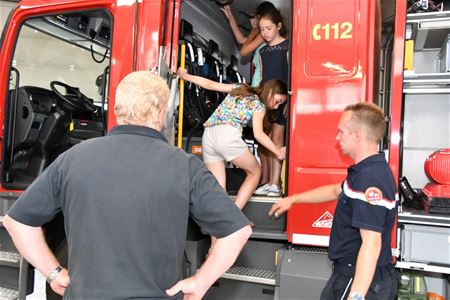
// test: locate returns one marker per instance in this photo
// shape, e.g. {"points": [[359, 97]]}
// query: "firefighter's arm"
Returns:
{"points": [[204, 82], [366, 262], [254, 40], [220, 259], [264, 139], [321, 194], [31, 244], [240, 38]]}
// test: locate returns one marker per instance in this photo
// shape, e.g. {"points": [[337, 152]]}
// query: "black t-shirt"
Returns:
{"points": [[369, 201], [275, 62], [126, 198]]}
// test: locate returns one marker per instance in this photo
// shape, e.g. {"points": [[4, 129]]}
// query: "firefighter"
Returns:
{"points": [[126, 198], [360, 241]]}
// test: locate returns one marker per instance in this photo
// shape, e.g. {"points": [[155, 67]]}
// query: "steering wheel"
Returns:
{"points": [[73, 100]]}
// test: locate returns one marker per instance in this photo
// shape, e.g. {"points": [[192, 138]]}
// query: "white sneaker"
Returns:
{"points": [[274, 191], [262, 190]]}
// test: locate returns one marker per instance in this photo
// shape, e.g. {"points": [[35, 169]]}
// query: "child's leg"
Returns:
{"points": [[265, 161], [217, 168], [276, 164], [247, 162]]}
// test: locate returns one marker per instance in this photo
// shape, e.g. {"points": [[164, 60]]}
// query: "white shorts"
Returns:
{"points": [[222, 142]]}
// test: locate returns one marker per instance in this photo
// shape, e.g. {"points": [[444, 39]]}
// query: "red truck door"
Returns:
{"points": [[90, 45], [334, 63]]}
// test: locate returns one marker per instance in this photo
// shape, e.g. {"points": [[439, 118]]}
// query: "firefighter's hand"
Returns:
{"points": [[280, 207], [189, 287], [182, 73], [61, 282]]}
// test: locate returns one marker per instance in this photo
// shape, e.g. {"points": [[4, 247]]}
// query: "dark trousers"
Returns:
{"points": [[383, 287]]}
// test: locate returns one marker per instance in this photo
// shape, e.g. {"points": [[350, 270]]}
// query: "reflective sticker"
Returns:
{"points": [[191, 52], [200, 58]]}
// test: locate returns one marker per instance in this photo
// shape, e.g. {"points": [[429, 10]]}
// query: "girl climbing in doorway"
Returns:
{"points": [[274, 65], [222, 138]]}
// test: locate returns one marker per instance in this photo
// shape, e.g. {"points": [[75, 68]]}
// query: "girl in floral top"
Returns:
{"points": [[222, 139]]}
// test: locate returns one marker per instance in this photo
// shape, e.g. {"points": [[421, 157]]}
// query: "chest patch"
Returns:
{"points": [[373, 194]]}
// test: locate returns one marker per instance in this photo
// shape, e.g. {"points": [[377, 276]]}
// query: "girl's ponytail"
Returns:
{"points": [[244, 90]]}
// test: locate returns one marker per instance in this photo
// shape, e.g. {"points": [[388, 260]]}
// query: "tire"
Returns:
{"points": [[62, 256]]}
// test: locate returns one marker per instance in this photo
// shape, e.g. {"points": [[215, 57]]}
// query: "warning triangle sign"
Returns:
{"points": [[324, 221]]}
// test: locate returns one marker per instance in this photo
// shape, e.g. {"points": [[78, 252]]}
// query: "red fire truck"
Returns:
{"points": [[61, 61]]}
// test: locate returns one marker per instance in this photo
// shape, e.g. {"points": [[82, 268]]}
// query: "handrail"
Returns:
{"points": [[181, 105]]}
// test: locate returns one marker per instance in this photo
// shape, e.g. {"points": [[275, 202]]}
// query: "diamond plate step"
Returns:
{"points": [[8, 294], [10, 258], [251, 275]]}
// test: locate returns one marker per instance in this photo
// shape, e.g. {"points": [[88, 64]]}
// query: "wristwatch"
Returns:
{"points": [[54, 273], [356, 296]]}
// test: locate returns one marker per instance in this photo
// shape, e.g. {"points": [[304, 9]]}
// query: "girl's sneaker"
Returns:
{"points": [[262, 190], [274, 191]]}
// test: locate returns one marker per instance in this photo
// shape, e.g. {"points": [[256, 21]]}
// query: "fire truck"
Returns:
{"points": [[61, 61]]}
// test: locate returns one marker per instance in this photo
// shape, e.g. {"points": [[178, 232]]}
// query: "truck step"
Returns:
{"points": [[259, 199], [8, 294], [10, 258], [248, 274], [269, 234]]}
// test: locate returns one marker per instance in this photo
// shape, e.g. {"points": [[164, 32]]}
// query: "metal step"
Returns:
{"points": [[269, 234], [261, 199], [8, 294], [309, 249], [248, 274], [10, 258]]}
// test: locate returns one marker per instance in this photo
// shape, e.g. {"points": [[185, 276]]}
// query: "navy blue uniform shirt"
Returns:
{"points": [[368, 201]]}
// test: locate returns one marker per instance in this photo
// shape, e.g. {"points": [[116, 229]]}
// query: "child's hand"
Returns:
{"points": [[283, 153], [254, 22], [227, 11], [182, 73]]}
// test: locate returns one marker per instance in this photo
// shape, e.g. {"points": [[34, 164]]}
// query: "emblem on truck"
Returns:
{"points": [[324, 221]]}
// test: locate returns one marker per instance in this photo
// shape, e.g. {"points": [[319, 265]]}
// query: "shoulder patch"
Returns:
{"points": [[373, 194]]}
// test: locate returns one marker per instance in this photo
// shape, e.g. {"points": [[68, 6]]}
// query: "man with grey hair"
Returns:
{"points": [[126, 198]]}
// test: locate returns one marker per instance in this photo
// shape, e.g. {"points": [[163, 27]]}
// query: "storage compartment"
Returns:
{"points": [[444, 56], [425, 244], [426, 128]]}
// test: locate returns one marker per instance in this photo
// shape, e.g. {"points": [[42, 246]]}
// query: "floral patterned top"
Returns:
{"points": [[236, 111]]}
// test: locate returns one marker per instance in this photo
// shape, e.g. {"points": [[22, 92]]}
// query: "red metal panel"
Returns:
{"points": [[397, 87], [161, 28], [123, 50], [149, 33], [333, 56], [397, 96], [172, 42]]}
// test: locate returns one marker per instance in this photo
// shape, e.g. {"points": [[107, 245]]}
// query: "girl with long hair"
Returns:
{"points": [[274, 65], [222, 138]]}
